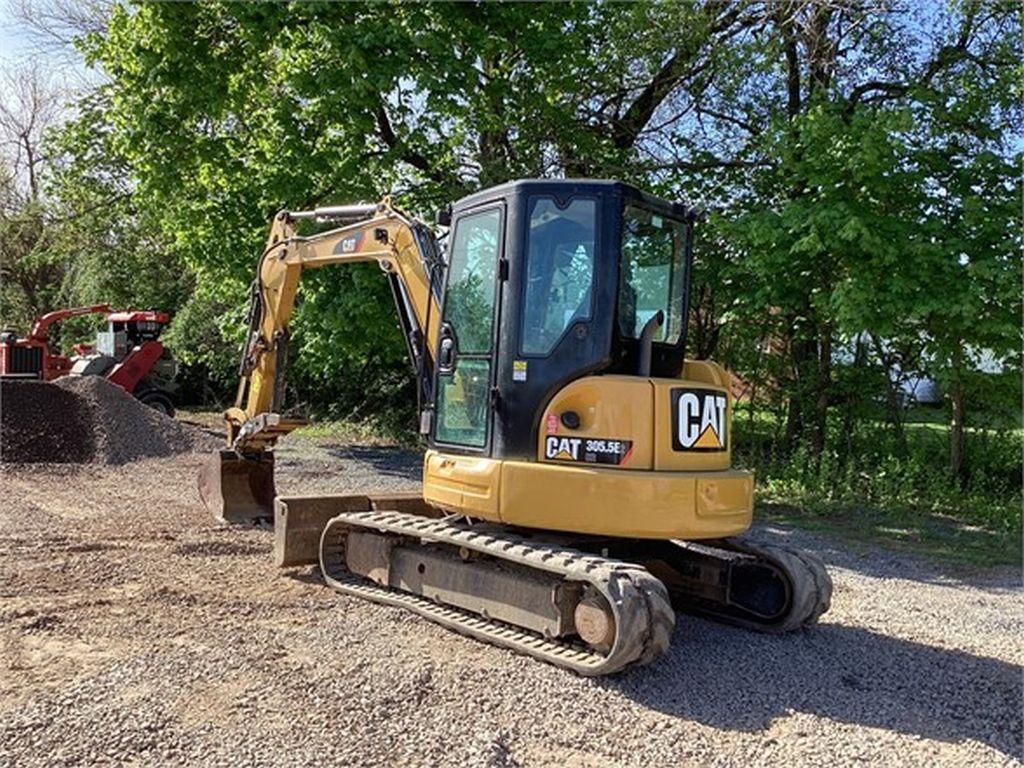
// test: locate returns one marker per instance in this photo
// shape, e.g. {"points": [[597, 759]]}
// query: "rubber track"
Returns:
{"points": [[809, 582], [644, 618]]}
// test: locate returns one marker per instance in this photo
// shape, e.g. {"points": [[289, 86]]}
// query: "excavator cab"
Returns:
{"points": [[549, 281], [561, 391], [590, 461]]}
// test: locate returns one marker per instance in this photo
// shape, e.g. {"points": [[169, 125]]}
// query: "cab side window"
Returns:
{"points": [[559, 270], [463, 393]]}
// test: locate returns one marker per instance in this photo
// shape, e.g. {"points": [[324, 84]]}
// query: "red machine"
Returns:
{"points": [[128, 353], [31, 357]]}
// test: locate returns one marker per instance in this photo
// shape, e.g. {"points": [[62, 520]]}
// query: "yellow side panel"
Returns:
{"points": [[610, 408], [608, 502], [724, 494], [705, 372], [464, 484]]}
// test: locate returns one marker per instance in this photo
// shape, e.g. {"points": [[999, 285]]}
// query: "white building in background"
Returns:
{"points": [[917, 386]]}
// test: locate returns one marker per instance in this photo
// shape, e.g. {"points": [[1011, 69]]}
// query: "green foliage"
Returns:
{"points": [[353, 357], [30, 275], [225, 113], [869, 473], [206, 335], [859, 165]]}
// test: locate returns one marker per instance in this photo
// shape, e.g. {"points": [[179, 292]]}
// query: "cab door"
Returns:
{"points": [[467, 341]]}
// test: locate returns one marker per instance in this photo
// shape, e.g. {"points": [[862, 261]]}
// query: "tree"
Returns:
{"points": [[831, 140], [225, 113], [30, 277], [841, 122]]}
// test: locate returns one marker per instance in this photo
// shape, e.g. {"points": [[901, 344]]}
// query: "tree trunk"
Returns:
{"points": [[803, 353], [847, 428], [956, 431], [892, 394], [823, 387], [892, 397], [703, 328], [493, 144]]}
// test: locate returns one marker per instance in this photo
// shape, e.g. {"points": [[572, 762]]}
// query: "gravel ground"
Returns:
{"points": [[135, 630]]}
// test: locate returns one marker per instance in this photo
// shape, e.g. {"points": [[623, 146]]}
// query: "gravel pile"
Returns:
{"points": [[86, 419]]}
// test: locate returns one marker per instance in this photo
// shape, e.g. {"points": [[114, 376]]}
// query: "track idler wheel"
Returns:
{"points": [[238, 488]]}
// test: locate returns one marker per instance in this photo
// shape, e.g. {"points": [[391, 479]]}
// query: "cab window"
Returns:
{"points": [[463, 394], [651, 273], [559, 270]]}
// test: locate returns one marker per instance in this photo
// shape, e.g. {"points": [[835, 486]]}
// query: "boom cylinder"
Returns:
{"points": [[337, 212]]}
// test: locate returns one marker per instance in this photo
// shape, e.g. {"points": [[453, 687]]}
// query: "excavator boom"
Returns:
{"points": [[237, 483]]}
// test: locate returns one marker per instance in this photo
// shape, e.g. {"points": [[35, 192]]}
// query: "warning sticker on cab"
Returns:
{"points": [[698, 419], [587, 450]]}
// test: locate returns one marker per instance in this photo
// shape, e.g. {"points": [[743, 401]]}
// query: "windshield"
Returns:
{"points": [[651, 273]]}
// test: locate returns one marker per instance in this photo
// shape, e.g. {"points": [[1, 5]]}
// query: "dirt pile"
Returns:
{"points": [[86, 420]]}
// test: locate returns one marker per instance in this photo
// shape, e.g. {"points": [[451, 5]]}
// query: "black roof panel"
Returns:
{"points": [[570, 186]]}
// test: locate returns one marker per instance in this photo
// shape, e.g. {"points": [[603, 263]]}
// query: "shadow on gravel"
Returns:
{"points": [[307, 574], [387, 460], [736, 680]]}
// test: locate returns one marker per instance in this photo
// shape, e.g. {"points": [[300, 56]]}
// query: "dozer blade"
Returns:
{"points": [[237, 488], [299, 521]]}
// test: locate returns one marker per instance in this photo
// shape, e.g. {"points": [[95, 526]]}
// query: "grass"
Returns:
{"points": [[352, 432], [363, 433], [934, 536], [870, 494]]}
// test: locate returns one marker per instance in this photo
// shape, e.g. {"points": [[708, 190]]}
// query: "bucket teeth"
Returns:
{"points": [[237, 488]]}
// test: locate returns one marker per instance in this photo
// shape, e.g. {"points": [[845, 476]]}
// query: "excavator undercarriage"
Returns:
{"points": [[590, 604]]}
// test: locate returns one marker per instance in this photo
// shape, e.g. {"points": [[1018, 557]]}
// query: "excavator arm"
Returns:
{"points": [[240, 479], [406, 252]]}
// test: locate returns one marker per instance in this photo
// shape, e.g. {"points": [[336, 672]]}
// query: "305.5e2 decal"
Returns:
{"points": [[587, 450]]}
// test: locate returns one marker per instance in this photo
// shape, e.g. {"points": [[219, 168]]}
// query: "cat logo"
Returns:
{"points": [[349, 244], [698, 420], [565, 448]]}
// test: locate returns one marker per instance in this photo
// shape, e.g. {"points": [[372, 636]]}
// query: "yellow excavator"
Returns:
{"points": [[578, 486]]}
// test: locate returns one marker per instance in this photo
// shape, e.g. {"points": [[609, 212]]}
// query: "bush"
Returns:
{"points": [[869, 471]]}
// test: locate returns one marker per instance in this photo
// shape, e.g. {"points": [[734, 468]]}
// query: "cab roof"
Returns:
{"points": [[565, 187]]}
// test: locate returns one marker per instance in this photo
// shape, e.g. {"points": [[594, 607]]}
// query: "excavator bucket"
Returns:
{"points": [[237, 488]]}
